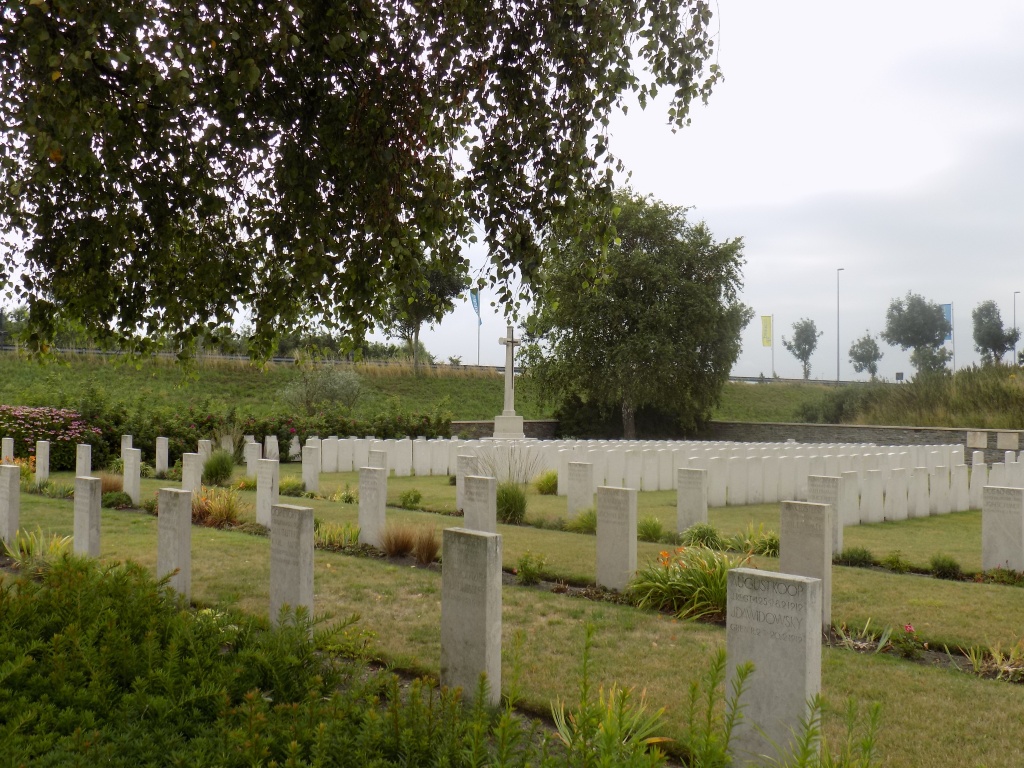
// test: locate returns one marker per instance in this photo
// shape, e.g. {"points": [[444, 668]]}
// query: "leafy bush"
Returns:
{"points": [[858, 557], [116, 500], [291, 486], [410, 499], [62, 427], [323, 386], [895, 562], [649, 528], [511, 503], [692, 582], [217, 507], [945, 567], [398, 540], [427, 545], [546, 483], [530, 568], [218, 468], [584, 522], [702, 535]]}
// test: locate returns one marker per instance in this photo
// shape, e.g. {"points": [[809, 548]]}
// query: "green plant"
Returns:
{"points": [[217, 507], [755, 542], [146, 470], [410, 499], [702, 535], [427, 545], [336, 536], [906, 643], [291, 486], [511, 503], [711, 716], [398, 540], [247, 483], [345, 495], [36, 550], [692, 582], [116, 500], [864, 639], [895, 562], [52, 490], [945, 567], [63, 428], [585, 521], [218, 468], [530, 568], [546, 483], [151, 505], [857, 557], [649, 528], [116, 465], [110, 483]]}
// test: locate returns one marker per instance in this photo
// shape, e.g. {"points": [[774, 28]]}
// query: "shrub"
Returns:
{"points": [[546, 483], [945, 567], [702, 535], [291, 486], [530, 568], [116, 466], [116, 500], [110, 483], [217, 507], [63, 428], [858, 557], [649, 528], [511, 503], [247, 483], [218, 468], [410, 499], [691, 583], [894, 562], [398, 540], [427, 545], [345, 496], [151, 505], [34, 551], [584, 522]]}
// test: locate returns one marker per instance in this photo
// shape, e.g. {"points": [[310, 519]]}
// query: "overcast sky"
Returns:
{"points": [[885, 138]]}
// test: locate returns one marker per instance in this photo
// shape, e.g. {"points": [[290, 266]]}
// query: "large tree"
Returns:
{"points": [[653, 320], [915, 323], [865, 354], [429, 302], [164, 165], [991, 339], [803, 343]]}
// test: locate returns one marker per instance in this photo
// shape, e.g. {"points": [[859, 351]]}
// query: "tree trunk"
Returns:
{"points": [[416, 351], [628, 420]]}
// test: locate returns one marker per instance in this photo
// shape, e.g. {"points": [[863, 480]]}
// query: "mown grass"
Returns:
{"points": [[770, 401], [930, 716], [469, 394]]}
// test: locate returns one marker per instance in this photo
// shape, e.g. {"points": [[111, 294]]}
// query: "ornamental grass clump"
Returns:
{"points": [[511, 503], [217, 507], [218, 468], [584, 522], [754, 541], [702, 535], [691, 582], [546, 483], [398, 540], [427, 545]]}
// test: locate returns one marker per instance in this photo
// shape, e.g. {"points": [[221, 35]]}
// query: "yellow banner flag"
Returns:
{"points": [[766, 330]]}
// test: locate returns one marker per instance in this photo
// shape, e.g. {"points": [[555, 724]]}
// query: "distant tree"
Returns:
{"points": [[432, 299], [915, 323], [655, 322], [804, 342], [991, 339], [321, 385], [865, 354]]}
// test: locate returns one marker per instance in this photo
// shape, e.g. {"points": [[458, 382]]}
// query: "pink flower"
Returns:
{"points": [[908, 627]]}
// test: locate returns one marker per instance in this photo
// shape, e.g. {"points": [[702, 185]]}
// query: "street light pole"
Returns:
{"points": [[840, 269], [1014, 361]]}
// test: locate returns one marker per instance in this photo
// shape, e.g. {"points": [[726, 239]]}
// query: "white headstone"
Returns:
{"points": [[872, 503], [616, 537], [160, 461], [650, 471], [691, 498], [174, 539], [346, 454], [291, 560], [268, 482], [897, 490], [718, 481], [271, 450], [959, 488], [133, 475], [848, 508], [373, 496], [253, 452], [481, 504], [42, 461], [581, 487], [805, 545], [979, 479], [10, 502], [773, 621], [126, 443], [737, 481], [918, 504], [329, 454], [205, 449], [471, 612], [6, 450], [311, 463], [1002, 529], [377, 459], [825, 490], [88, 498], [83, 460], [192, 472]]}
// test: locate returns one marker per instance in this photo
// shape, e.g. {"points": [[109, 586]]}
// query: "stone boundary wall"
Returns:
{"points": [[995, 441]]}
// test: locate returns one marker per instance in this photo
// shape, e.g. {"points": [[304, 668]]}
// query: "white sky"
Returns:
{"points": [[886, 138]]}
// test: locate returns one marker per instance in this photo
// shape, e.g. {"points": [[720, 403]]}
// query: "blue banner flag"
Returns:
{"points": [[947, 312], [474, 297]]}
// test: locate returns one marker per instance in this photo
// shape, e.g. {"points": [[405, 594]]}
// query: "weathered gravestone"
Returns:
{"points": [[271, 449], [160, 462], [88, 498], [291, 560], [83, 460], [691, 498], [126, 443], [311, 463], [465, 465], [10, 502], [805, 546], [192, 472], [377, 459], [133, 475], [616, 536], [373, 494], [268, 481], [1002, 528], [329, 454], [252, 453], [773, 622], [7, 449], [42, 461], [825, 490], [581, 487], [481, 504], [205, 449], [174, 539], [471, 612]]}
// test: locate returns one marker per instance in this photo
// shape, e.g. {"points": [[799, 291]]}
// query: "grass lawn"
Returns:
{"points": [[931, 716]]}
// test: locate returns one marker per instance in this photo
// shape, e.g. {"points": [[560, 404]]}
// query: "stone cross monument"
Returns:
{"points": [[508, 425]]}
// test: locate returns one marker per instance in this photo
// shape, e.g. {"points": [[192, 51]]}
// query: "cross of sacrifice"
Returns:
{"points": [[510, 343]]}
